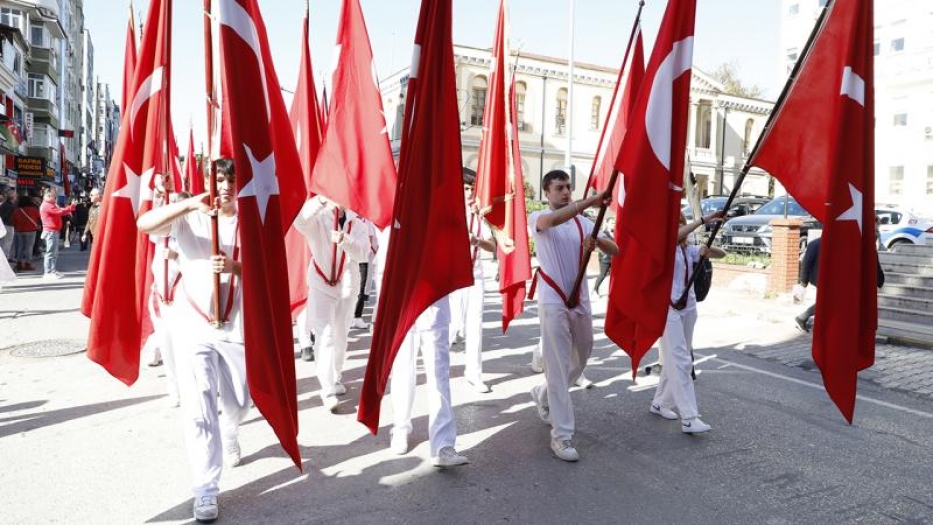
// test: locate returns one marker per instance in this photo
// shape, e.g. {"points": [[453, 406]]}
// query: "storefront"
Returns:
{"points": [[32, 174]]}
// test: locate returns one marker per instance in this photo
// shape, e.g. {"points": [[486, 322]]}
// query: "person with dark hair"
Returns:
{"points": [[561, 233], [210, 360], [675, 388], [93, 215], [51, 226], [466, 304]]}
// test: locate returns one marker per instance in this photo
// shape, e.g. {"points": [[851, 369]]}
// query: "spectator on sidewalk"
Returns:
{"points": [[51, 225], [7, 206], [27, 223], [93, 213], [6, 273]]}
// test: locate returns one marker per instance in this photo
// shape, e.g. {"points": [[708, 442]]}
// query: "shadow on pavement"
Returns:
{"points": [[37, 420]]}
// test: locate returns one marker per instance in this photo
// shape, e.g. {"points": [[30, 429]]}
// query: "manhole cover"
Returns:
{"points": [[50, 348]]}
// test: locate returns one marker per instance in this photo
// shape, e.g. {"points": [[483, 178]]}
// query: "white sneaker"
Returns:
{"points": [[694, 426], [583, 382], [448, 457], [479, 386], [172, 401], [54, 276], [664, 412], [563, 449], [537, 366], [359, 324], [399, 443], [330, 402], [339, 389], [543, 411], [232, 455], [206, 509]]}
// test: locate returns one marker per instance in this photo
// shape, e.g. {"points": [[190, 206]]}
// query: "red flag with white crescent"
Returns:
{"points": [[821, 147], [651, 166]]}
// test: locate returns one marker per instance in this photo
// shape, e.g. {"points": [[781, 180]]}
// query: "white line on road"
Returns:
{"points": [[820, 387]]}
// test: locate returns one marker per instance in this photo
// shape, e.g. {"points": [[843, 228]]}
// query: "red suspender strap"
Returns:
{"points": [[539, 272], [343, 260]]}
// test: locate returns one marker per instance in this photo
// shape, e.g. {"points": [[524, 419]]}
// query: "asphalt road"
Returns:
{"points": [[77, 446]]}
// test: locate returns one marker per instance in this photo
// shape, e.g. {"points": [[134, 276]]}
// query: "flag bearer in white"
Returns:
{"points": [[209, 350], [430, 336], [339, 241], [466, 304], [560, 235]]}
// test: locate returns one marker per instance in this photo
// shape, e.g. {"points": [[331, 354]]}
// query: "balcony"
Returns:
{"points": [[42, 61], [44, 109]]}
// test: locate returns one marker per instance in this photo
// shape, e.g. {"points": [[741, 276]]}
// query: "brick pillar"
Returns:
{"points": [[785, 254]]}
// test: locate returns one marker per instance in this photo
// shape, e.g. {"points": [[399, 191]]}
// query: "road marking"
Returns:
{"points": [[820, 387]]}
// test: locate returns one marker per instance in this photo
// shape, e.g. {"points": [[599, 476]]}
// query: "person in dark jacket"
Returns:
{"points": [[808, 272]]}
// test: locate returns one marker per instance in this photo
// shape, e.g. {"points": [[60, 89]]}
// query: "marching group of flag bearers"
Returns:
{"points": [[302, 196]]}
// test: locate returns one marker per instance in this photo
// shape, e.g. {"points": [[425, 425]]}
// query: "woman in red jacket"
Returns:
{"points": [[27, 223]]}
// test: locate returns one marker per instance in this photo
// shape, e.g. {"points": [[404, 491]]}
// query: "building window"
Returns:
{"points": [[900, 120], [896, 180], [704, 124], [11, 17], [877, 48], [520, 89], [560, 121], [478, 95], [37, 36], [930, 180], [897, 45], [749, 126], [594, 113], [793, 10]]}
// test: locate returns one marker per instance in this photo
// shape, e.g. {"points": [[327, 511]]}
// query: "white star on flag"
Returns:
{"points": [[137, 188], [264, 183], [855, 212]]}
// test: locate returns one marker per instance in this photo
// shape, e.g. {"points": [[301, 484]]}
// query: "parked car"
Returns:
{"points": [[752, 233], [741, 206], [899, 227]]}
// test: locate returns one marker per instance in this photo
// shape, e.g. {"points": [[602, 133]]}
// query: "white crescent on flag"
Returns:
{"points": [[239, 20], [659, 113], [147, 90], [853, 86]]}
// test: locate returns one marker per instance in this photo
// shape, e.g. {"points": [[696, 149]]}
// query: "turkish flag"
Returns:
{"points": [[305, 115], [515, 260], [193, 173], [355, 167], [119, 278], [429, 255], [495, 169], [270, 192], [651, 166], [129, 60], [178, 175], [500, 191], [620, 109], [821, 147]]}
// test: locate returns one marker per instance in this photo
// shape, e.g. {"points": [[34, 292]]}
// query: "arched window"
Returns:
{"points": [[520, 89], [560, 123], [478, 94], [749, 125], [595, 121]]}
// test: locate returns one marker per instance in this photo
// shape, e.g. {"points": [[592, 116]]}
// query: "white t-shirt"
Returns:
{"points": [[478, 227], [558, 251], [316, 222], [159, 266], [684, 267], [194, 296]]}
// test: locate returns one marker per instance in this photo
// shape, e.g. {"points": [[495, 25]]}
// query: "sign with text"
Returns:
{"points": [[30, 167]]}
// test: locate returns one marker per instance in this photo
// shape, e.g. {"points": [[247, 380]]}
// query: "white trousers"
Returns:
{"points": [[158, 313], [566, 343], [435, 352], [466, 310], [205, 370], [675, 389], [330, 319]]}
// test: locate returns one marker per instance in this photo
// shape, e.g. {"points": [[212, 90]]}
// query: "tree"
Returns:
{"points": [[728, 75]]}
